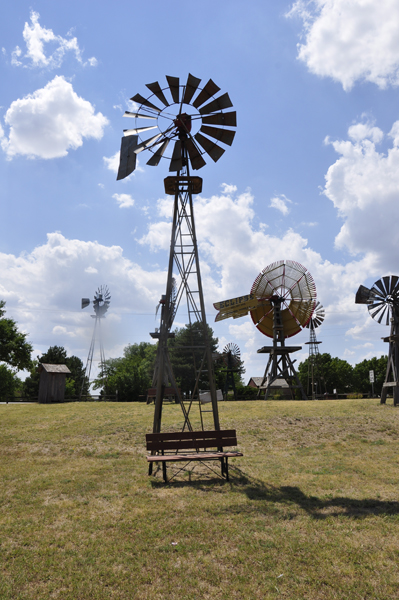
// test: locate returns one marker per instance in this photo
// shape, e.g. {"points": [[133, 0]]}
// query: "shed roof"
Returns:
{"points": [[53, 368]]}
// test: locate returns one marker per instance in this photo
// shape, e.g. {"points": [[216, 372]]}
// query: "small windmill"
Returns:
{"points": [[281, 303], [190, 119], [101, 302], [383, 305], [315, 368], [232, 359]]}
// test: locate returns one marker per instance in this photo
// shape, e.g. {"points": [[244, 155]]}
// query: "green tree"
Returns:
{"points": [[9, 383], [361, 375], [15, 351], [57, 355], [338, 374]]}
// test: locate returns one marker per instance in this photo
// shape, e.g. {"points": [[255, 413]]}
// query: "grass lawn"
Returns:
{"points": [[311, 510]]}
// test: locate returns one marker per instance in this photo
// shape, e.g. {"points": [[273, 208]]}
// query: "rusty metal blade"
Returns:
{"points": [[156, 157], [173, 83], [208, 91], [138, 130], [146, 143], [140, 100], [155, 88], [219, 104], [223, 135], [214, 151], [197, 162], [191, 87], [176, 162], [127, 161], [137, 115], [228, 119]]}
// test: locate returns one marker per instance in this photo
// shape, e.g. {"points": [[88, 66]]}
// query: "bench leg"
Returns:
{"points": [[164, 472], [227, 469], [222, 466], [150, 469]]}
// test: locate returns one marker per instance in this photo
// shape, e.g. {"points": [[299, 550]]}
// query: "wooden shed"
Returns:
{"points": [[52, 382]]}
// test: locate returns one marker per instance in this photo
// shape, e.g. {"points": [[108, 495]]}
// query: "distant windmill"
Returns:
{"points": [[315, 367], [101, 302]]}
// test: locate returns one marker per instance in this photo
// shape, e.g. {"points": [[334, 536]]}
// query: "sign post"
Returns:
{"points": [[371, 376]]}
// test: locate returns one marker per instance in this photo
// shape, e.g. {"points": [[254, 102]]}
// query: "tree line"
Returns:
{"points": [[130, 376]]}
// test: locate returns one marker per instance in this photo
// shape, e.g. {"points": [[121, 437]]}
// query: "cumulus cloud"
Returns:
{"points": [[350, 40], [38, 40], [49, 122], [280, 203], [124, 200], [363, 185]]}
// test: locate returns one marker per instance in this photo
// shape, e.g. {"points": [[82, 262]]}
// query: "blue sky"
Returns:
{"points": [[312, 175]]}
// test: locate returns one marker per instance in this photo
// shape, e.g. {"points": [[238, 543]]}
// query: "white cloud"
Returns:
{"points": [[363, 185], [228, 189], [38, 39], [91, 270], [350, 40], [124, 200], [49, 122], [112, 163], [280, 203]]}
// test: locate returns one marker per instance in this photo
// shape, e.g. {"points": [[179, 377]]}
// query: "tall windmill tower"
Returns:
{"points": [[190, 119], [101, 302], [315, 369]]}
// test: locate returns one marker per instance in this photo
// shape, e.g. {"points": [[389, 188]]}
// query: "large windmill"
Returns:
{"points": [[101, 302], [191, 121], [281, 303], [383, 305]]}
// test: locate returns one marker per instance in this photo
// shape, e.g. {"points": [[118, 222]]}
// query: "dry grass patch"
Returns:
{"points": [[311, 510]]}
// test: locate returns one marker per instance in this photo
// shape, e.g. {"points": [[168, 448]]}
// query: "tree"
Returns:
{"points": [[338, 373], [57, 355], [361, 375], [14, 349], [9, 382]]}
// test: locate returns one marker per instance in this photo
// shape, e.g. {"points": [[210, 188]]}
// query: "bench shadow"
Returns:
{"points": [[268, 498]]}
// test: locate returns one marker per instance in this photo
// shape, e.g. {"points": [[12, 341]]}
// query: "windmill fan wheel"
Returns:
{"points": [[291, 286], [317, 317], [384, 298], [231, 355], [102, 300], [191, 117]]}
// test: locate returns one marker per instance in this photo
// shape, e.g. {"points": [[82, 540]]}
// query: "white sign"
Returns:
{"points": [[371, 375]]}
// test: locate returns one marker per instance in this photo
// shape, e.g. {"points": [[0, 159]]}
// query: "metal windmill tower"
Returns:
{"points": [[315, 368], [190, 119], [101, 302], [383, 304], [281, 302]]}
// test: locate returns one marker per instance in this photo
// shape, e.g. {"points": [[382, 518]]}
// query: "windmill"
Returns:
{"points": [[101, 302], [232, 359], [189, 120], [281, 303], [383, 305], [315, 368]]}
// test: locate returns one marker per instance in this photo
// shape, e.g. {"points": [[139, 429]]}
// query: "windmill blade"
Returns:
{"points": [[174, 87], [208, 91], [138, 130], [176, 162], [147, 143], [218, 104], [85, 302], [191, 87], [197, 162], [223, 135], [136, 115], [127, 161], [228, 119], [394, 285], [156, 157], [379, 311], [140, 100], [214, 151], [155, 88], [387, 283], [380, 286]]}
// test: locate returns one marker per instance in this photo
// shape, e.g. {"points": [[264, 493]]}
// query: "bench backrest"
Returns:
{"points": [[187, 440]]}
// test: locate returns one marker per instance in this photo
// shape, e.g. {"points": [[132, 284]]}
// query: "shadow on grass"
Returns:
{"points": [[269, 499], [292, 497]]}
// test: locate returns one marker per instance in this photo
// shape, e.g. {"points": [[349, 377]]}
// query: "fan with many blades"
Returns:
{"points": [[231, 355], [381, 299], [191, 117], [317, 317]]}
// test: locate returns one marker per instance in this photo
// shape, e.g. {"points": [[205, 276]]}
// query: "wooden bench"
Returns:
{"points": [[191, 445]]}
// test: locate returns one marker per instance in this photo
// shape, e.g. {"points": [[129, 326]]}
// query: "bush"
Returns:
{"points": [[354, 396], [247, 392]]}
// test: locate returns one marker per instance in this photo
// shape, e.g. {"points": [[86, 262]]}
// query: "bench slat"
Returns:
{"points": [[196, 456], [190, 435], [189, 444]]}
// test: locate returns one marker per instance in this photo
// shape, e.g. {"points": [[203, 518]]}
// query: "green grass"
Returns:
{"points": [[311, 511]]}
